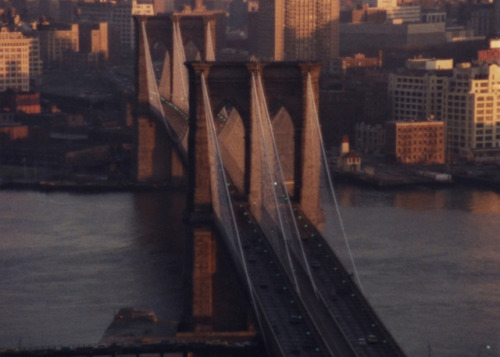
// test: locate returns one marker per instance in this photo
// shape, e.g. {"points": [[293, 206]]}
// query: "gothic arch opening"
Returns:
{"points": [[158, 51], [165, 87], [192, 52], [284, 134], [231, 136]]}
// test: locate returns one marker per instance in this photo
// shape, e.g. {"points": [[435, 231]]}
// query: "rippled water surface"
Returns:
{"points": [[428, 260], [69, 262]]}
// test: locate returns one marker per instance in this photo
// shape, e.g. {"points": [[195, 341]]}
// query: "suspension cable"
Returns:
{"points": [[153, 92], [272, 181], [218, 170], [315, 121], [283, 186], [181, 58]]}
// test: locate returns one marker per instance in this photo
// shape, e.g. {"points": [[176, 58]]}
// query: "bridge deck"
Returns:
{"points": [[341, 296], [287, 326], [338, 321]]}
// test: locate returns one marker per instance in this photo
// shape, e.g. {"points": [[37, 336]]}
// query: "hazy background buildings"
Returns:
{"points": [[66, 66]]}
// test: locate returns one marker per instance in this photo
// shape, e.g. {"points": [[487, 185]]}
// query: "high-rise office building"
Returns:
{"points": [[466, 100], [17, 60], [472, 117], [297, 29], [417, 92], [77, 44], [54, 41], [118, 14]]}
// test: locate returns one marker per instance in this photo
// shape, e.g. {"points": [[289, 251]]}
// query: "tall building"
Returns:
{"points": [[417, 92], [496, 17], [297, 29], [472, 111], [37, 8], [77, 44], [482, 19], [17, 58], [56, 40], [118, 14], [466, 99]]}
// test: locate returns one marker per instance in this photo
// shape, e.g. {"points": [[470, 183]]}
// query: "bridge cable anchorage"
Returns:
{"points": [[315, 121], [290, 234], [221, 197], [180, 69], [153, 92]]}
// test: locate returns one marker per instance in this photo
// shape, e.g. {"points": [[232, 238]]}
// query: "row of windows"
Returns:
{"points": [[406, 114], [452, 103], [482, 105], [409, 99], [401, 106], [410, 80], [12, 44], [412, 145], [422, 129], [420, 135], [482, 112], [13, 49], [402, 93], [484, 119], [13, 81], [415, 158], [480, 125], [485, 145], [13, 57]]}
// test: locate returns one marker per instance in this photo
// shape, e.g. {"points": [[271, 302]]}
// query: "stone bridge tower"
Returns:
{"points": [[288, 99], [168, 41]]}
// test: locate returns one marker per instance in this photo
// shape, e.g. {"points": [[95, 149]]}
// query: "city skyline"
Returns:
{"points": [[106, 126]]}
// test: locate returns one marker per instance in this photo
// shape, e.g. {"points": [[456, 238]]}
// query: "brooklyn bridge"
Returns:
{"points": [[246, 140]]}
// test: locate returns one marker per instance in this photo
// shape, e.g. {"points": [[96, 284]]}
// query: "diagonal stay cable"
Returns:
{"points": [[315, 121], [219, 179], [291, 217], [266, 152]]}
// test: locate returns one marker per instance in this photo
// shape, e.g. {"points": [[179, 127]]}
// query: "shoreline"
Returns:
{"points": [[376, 181], [86, 187], [393, 181]]}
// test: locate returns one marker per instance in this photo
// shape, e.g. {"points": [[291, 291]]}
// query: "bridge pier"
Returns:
{"points": [[154, 161], [204, 267]]}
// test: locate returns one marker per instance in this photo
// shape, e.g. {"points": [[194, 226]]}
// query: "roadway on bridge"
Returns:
{"points": [[335, 321], [342, 298]]}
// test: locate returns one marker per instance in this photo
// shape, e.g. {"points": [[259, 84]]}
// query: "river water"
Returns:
{"points": [[69, 262], [428, 261]]}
